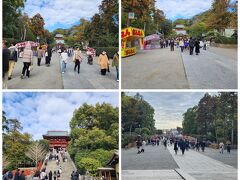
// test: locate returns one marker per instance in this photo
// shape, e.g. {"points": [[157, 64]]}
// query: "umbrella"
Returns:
{"points": [[23, 44]]}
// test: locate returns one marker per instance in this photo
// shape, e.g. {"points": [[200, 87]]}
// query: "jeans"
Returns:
{"points": [[182, 47], [117, 70], [191, 50], [64, 66], [26, 66]]}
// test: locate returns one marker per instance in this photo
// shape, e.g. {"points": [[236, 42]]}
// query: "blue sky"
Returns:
{"points": [[62, 13], [169, 106], [175, 9], [40, 112]]}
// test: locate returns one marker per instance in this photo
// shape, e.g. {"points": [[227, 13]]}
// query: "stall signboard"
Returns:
{"points": [[132, 32], [128, 51]]}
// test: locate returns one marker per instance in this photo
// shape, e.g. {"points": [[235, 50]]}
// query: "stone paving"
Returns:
{"points": [[202, 167], [154, 158], [211, 69], [89, 77], [215, 68], [154, 69], [226, 158], [67, 167], [150, 175], [51, 77], [41, 77]]}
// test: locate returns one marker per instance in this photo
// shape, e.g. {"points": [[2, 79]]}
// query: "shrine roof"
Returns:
{"points": [[57, 133]]}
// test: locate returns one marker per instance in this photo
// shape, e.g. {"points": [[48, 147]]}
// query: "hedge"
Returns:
{"points": [[226, 40], [109, 50]]}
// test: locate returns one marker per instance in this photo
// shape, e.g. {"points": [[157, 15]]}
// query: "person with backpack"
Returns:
{"points": [[12, 60]]}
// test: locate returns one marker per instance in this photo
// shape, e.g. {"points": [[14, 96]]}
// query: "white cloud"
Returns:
{"points": [[40, 112], [174, 9], [62, 12], [170, 106]]}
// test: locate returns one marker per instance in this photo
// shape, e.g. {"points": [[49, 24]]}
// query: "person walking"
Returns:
{"points": [[182, 146], [203, 145], [77, 58], [165, 143], [12, 60], [5, 64], [48, 56], [221, 147], [22, 177], [197, 47], [191, 45], [175, 147], [115, 63], [228, 146], [27, 60], [204, 45], [103, 62], [39, 55], [50, 175], [17, 175], [64, 57], [139, 143], [181, 44], [172, 44], [55, 175]]}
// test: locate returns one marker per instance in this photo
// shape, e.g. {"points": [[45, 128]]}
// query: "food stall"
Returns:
{"points": [[131, 39], [152, 41]]}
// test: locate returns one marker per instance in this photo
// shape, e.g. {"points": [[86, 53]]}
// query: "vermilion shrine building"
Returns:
{"points": [[57, 139]]}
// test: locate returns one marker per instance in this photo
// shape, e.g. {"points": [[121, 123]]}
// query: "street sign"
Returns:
{"points": [[131, 15]]}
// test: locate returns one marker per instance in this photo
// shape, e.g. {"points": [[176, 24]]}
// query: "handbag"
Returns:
{"points": [[46, 53]]}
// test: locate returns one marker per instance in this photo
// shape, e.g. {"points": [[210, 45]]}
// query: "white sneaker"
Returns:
{"points": [[117, 80], [62, 72]]}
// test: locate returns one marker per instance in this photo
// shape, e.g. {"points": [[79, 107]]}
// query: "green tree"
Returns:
{"points": [[219, 17]]}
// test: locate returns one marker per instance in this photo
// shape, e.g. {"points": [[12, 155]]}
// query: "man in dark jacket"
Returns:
{"points": [[197, 47], [5, 64], [22, 177], [17, 175], [49, 55], [12, 60], [182, 146], [191, 45], [172, 45]]}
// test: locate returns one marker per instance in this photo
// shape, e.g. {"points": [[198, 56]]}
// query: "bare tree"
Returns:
{"points": [[36, 152]]}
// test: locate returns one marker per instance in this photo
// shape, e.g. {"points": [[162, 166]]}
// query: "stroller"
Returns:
{"points": [[90, 59]]}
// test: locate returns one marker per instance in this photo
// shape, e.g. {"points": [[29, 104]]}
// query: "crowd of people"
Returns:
{"points": [[182, 144], [12, 54], [185, 44], [43, 54], [75, 55]]}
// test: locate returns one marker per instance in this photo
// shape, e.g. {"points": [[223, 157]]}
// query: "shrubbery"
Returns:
{"points": [[110, 51], [226, 40]]}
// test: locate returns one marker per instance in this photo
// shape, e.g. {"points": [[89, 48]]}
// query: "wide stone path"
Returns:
{"points": [[67, 167], [89, 77], [215, 68], [211, 69], [154, 69], [226, 158], [202, 167], [154, 158], [41, 77]]}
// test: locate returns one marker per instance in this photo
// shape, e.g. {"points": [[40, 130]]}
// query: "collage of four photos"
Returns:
{"points": [[119, 89]]}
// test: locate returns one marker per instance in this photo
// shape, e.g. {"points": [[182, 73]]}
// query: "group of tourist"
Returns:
{"points": [[182, 144], [77, 57], [13, 53], [185, 44], [19, 175]]}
